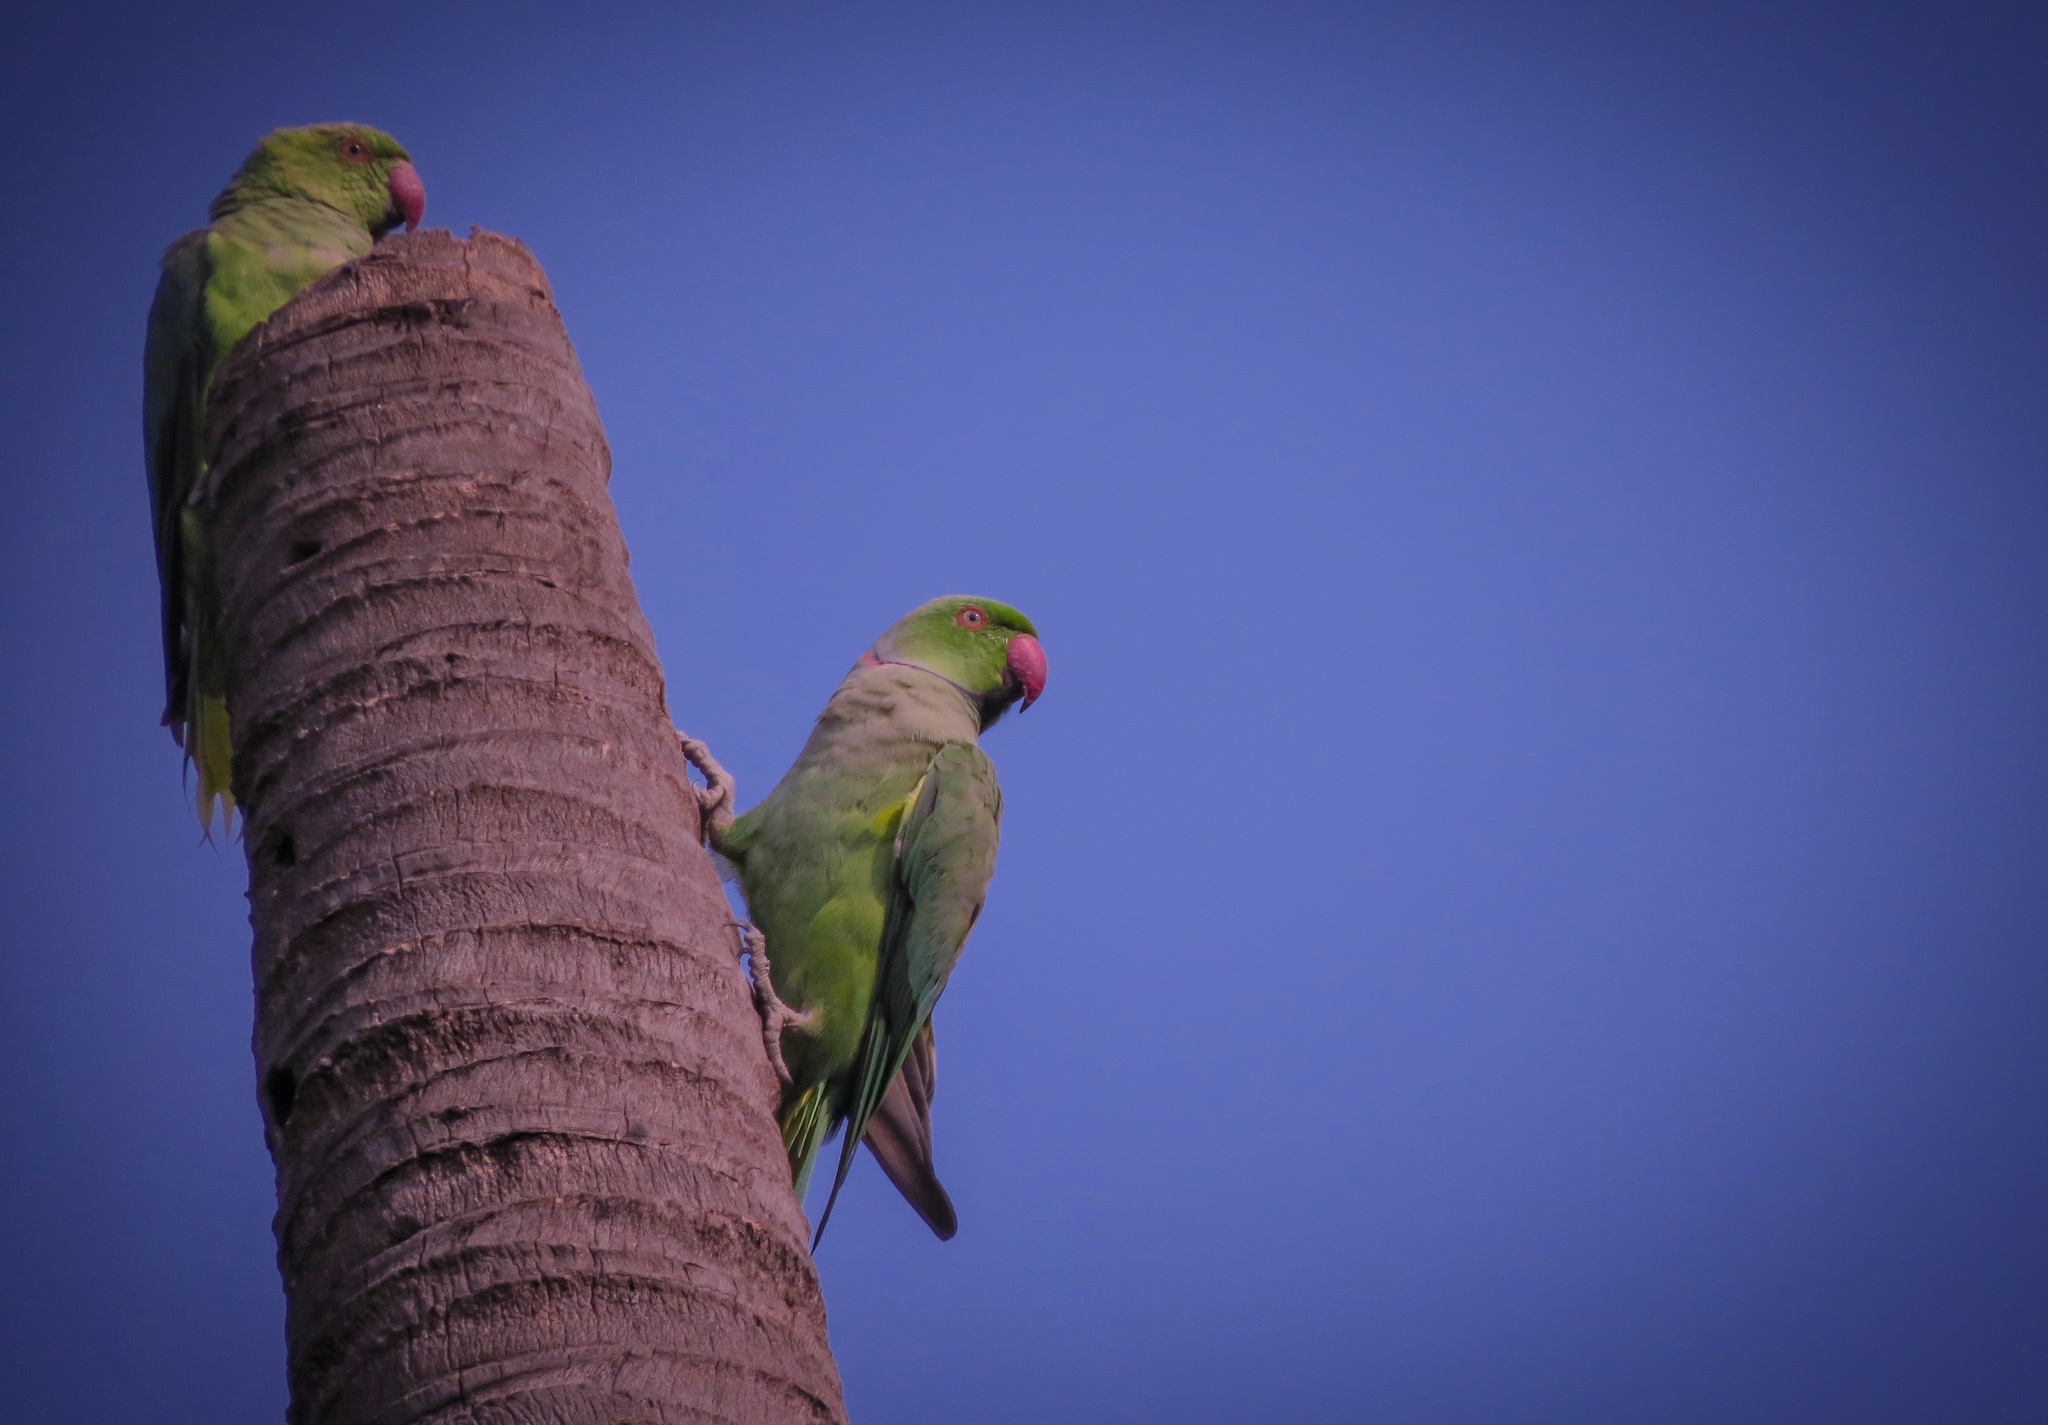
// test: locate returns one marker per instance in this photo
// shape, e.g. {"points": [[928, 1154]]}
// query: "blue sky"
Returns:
{"points": [[1523, 901]]}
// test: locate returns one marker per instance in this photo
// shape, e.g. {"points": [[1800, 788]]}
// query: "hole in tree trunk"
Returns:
{"points": [[283, 850], [304, 549], [282, 1089]]}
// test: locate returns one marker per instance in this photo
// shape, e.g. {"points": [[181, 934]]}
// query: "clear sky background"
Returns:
{"points": [[1525, 900]]}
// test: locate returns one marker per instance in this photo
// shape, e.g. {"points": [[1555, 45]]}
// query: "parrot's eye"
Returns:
{"points": [[970, 617], [354, 151]]}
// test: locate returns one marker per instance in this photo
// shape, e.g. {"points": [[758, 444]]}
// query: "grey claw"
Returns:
{"points": [[715, 799], [715, 802], [775, 1015]]}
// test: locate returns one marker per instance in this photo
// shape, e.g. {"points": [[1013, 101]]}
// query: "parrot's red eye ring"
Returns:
{"points": [[354, 151], [970, 617]]}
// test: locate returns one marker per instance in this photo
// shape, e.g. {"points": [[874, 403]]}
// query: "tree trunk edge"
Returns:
{"points": [[508, 1064]]}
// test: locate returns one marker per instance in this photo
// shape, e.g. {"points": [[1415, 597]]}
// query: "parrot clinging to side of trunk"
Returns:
{"points": [[306, 201], [866, 868]]}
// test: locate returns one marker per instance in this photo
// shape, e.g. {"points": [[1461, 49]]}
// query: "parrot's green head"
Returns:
{"points": [[352, 167], [987, 650]]}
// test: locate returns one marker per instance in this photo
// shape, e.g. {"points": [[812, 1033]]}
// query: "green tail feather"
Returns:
{"points": [[806, 1124], [878, 1065], [206, 740], [206, 743]]}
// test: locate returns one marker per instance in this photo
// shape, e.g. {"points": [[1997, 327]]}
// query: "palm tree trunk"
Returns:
{"points": [[527, 1168]]}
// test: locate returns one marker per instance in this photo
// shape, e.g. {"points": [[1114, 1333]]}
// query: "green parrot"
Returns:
{"points": [[306, 201], [866, 867]]}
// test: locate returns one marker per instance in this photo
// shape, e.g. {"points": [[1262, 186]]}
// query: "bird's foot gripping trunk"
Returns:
{"points": [[775, 1015], [717, 799], [715, 803]]}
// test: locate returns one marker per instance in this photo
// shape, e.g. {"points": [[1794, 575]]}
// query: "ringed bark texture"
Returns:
{"points": [[527, 1168]]}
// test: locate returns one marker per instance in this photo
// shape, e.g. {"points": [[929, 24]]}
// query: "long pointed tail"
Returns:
{"points": [[205, 736], [207, 744], [806, 1124], [900, 1137], [871, 1077]]}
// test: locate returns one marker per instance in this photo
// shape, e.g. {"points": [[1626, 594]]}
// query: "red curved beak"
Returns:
{"points": [[1027, 665], [408, 194]]}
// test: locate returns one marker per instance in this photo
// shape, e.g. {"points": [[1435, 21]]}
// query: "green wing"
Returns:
{"points": [[945, 854], [178, 363], [217, 285], [175, 363]]}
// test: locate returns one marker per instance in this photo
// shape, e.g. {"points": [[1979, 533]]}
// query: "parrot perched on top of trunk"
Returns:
{"points": [[866, 868], [306, 201]]}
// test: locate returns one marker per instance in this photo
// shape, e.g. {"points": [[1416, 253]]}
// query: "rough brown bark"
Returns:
{"points": [[513, 1082]]}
